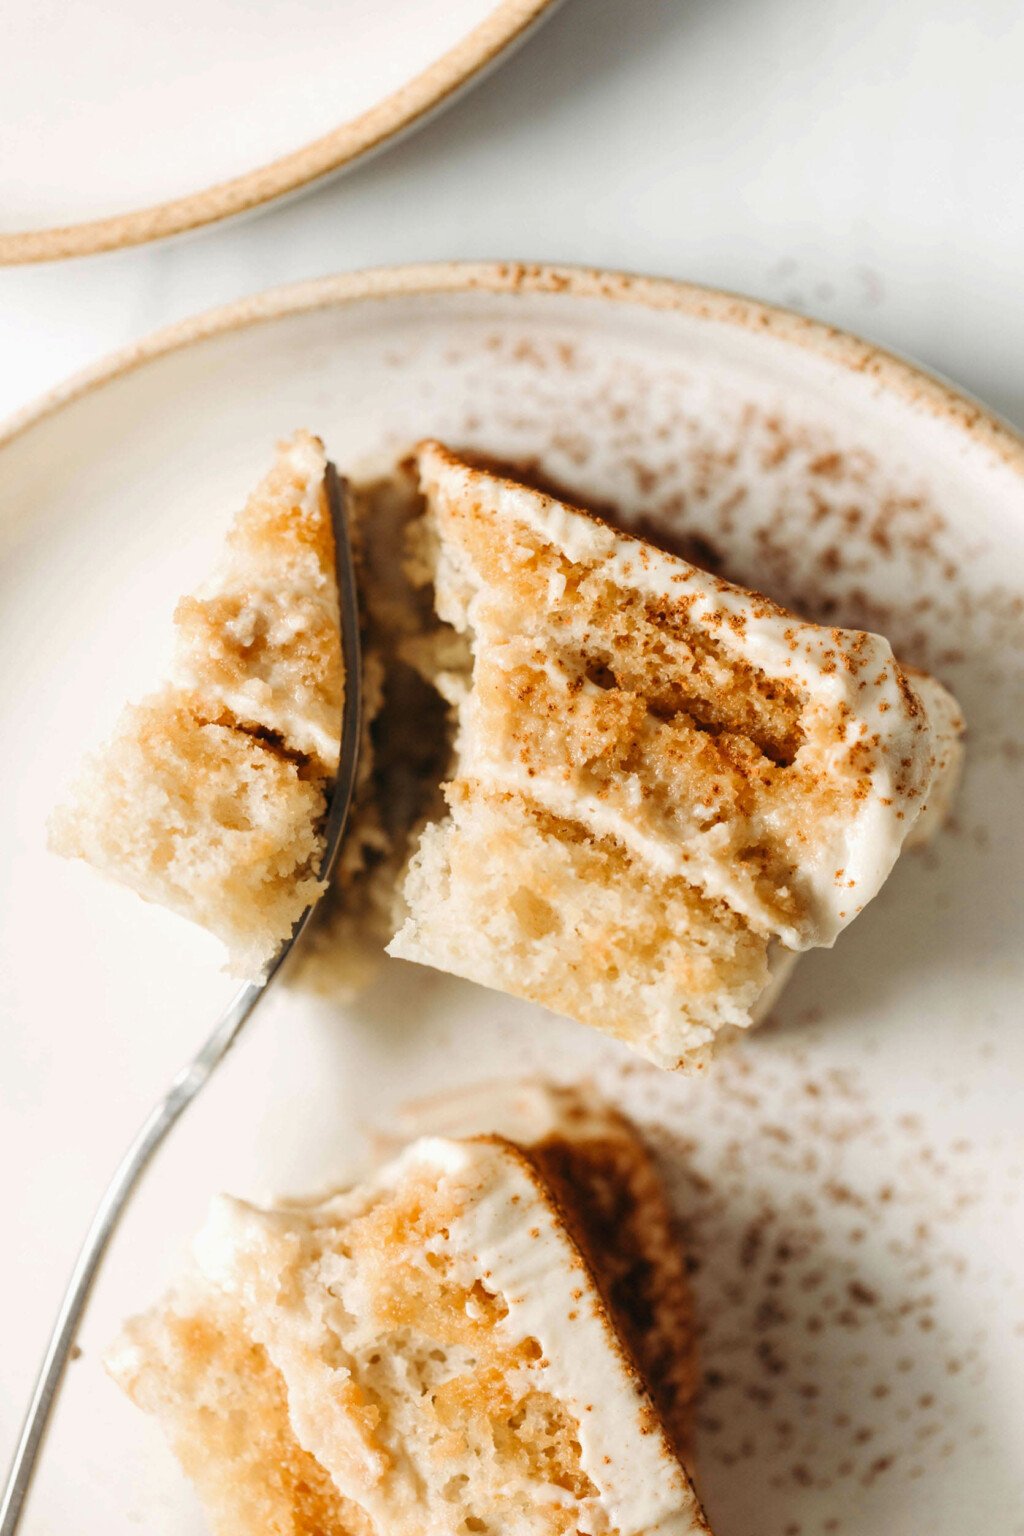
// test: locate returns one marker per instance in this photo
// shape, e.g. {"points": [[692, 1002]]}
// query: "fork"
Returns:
{"points": [[199, 1070]]}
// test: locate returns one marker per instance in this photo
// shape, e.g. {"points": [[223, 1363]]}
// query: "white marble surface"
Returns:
{"points": [[860, 162]]}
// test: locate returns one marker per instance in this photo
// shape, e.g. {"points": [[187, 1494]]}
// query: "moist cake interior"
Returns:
{"points": [[662, 786], [395, 1361], [609, 1187], [211, 796]]}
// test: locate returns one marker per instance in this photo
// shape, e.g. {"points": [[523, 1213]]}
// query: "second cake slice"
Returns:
{"points": [[663, 785], [435, 1352]]}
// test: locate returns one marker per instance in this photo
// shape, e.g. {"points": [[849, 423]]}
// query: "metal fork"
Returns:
{"points": [[197, 1073]]}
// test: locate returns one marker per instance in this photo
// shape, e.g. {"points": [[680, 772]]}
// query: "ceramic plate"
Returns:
{"points": [[849, 1176], [122, 123]]}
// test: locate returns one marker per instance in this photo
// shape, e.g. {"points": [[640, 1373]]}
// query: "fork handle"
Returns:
{"points": [[116, 1196], [226, 1031]]}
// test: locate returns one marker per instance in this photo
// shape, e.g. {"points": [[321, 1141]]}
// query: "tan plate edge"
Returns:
{"points": [[918, 387], [508, 23]]}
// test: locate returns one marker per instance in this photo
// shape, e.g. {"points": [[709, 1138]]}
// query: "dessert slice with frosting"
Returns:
{"points": [[663, 786], [612, 1195], [211, 796], [429, 1353]]}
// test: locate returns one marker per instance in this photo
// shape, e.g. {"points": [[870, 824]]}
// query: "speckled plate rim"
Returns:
{"points": [[922, 390], [507, 25]]}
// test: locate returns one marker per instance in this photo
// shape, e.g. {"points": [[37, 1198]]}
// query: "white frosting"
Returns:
{"points": [[526, 1251], [509, 1234]]}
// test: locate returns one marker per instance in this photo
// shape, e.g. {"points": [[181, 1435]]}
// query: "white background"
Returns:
{"points": [[861, 162]]}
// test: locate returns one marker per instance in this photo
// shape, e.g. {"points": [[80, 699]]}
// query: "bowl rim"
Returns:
{"points": [[918, 387], [507, 24]]}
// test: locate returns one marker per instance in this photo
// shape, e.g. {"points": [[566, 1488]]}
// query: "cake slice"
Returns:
{"points": [[210, 798], [663, 786], [427, 1354], [610, 1190]]}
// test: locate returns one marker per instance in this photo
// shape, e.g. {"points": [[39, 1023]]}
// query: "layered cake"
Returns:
{"points": [[663, 786], [211, 796], [445, 1348], [658, 788], [608, 1184]]}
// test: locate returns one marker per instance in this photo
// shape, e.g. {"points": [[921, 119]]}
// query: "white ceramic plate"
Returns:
{"points": [[121, 123], [850, 1175]]}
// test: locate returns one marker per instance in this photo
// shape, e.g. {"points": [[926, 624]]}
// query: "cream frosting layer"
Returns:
{"points": [[507, 1232]]}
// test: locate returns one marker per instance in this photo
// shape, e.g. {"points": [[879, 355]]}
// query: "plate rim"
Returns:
{"points": [[917, 385], [507, 24]]}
